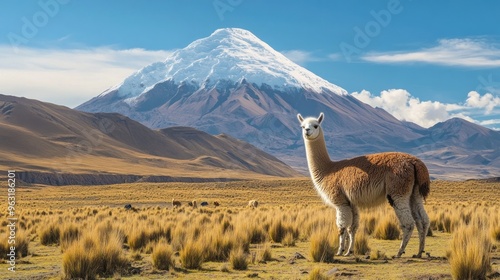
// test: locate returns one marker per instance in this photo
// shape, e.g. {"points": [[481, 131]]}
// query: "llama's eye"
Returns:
{"points": [[316, 126], [302, 126]]}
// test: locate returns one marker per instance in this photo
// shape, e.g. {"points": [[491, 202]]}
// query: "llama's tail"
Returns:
{"points": [[422, 179]]}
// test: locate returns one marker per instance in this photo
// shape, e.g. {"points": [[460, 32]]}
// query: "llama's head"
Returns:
{"points": [[311, 128]]}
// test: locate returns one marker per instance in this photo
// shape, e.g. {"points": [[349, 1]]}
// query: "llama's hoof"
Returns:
{"points": [[339, 253], [417, 256], [348, 253]]}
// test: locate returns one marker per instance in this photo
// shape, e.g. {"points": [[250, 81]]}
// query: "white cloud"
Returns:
{"points": [[68, 76], [469, 52], [487, 101], [402, 105]]}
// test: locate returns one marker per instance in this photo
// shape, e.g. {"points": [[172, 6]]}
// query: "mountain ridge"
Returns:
{"points": [[265, 114], [43, 137]]}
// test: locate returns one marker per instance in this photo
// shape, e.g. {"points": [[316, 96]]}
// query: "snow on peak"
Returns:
{"points": [[227, 54]]}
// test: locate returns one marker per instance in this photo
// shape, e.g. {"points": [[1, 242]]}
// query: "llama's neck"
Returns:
{"points": [[318, 159]]}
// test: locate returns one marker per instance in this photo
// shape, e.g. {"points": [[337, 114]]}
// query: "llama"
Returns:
{"points": [[253, 203], [176, 203], [366, 181]]}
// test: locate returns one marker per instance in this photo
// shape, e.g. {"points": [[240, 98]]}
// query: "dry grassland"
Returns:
{"points": [[75, 232]]}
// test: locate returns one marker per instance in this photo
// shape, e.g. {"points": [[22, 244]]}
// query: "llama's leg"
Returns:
{"points": [[406, 222], [344, 220], [351, 230], [421, 221]]}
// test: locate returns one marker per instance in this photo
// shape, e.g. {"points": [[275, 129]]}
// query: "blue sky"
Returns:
{"points": [[423, 61]]}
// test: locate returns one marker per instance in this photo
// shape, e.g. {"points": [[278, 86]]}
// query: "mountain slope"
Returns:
{"points": [[231, 82], [40, 136]]}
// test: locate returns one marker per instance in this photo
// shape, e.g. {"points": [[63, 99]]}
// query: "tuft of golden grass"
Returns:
{"points": [[69, 234], [322, 247], [317, 275], [238, 259], [191, 255], [4, 246], [265, 253], [386, 229], [91, 256], [217, 246], [137, 238], [469, 254], [277, 230], [288, 240], [361, 243], [49, 234], [22, 243], [370, 221], [377, 255], [162, 256], [79, 264], [495, 229]]}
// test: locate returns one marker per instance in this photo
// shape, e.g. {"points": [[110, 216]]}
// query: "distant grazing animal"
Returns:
{"points": [[176, 203], [128, 206], [192, 203], [204, 203], [253, 203], [216, 203], [367, 181]]}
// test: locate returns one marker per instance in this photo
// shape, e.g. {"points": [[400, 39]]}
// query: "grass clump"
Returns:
{"points": [[79, 264], [90, 256], [69, 234], [238, 259], [495, 230], [288, 240], [317, 275], [470, 253], [265, 254], [321, 248], [137, 239], [162, 256], [4, 246], [50, 234], [277, 231], [22, 243], [361, 243], [377, 255], [387, 229], [191, 255]]}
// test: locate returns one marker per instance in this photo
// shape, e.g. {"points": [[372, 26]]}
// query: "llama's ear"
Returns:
{"points": [[301, 119], [320, 118]]}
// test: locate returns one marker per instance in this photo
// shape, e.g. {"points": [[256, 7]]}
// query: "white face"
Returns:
{"points": [[310, 126]]}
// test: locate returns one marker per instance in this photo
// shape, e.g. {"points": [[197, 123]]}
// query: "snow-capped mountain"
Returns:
{"points": [[232, 82], [230, 54]]}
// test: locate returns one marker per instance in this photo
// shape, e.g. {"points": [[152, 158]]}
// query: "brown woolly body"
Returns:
{"points": [[365, 181]]}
